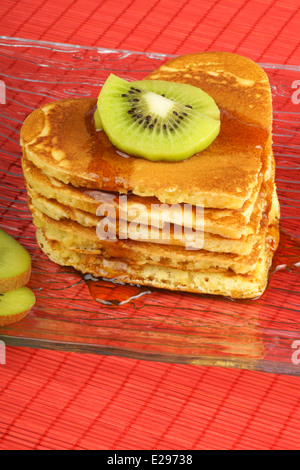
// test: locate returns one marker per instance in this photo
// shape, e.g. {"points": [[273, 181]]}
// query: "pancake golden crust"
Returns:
{"points": [[71, 170], [207, 241], [78, 238], [228, 223], [60, 139], [227, 283]]}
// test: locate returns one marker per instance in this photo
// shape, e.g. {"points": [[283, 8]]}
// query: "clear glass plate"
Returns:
{"points": [[263, 334]]}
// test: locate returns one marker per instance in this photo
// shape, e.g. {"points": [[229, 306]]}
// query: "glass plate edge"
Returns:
{"points": [[257, 365], [103, 50]]}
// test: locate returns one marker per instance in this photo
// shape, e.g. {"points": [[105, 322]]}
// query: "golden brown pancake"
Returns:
{"points": [[75, 237], [173, 235], [209, 281], [60, 139], [71, 169], [228, 223]]}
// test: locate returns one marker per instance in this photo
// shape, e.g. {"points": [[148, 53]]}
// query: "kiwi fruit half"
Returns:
{"points": [[156, 119]]}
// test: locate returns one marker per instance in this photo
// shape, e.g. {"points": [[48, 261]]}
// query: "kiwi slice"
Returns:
{"points": [[15, 305], [156, 119], [15, 263]]}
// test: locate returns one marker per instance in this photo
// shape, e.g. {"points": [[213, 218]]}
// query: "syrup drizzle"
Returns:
{"points": [[115, 293], [111, 292]]}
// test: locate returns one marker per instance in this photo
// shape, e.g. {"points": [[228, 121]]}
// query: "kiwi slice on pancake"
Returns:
{"points": [[156, 119]]}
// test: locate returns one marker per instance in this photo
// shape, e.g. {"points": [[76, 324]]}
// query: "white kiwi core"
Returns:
{"points": [[158, 104]]}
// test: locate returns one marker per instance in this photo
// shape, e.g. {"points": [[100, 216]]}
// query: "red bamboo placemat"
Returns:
{"points": [[266, 31], [55, 400], [70, 401]]}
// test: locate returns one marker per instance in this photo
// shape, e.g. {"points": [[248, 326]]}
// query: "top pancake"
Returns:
{"points": [[60, 139]]}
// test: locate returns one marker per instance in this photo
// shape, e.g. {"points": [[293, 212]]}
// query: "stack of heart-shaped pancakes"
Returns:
{"points": [[208, 224]]}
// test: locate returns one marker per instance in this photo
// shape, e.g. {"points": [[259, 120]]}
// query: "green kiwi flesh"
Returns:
{"points": [[15, 305], [97, 119], [157, 120], [15, 263]]}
